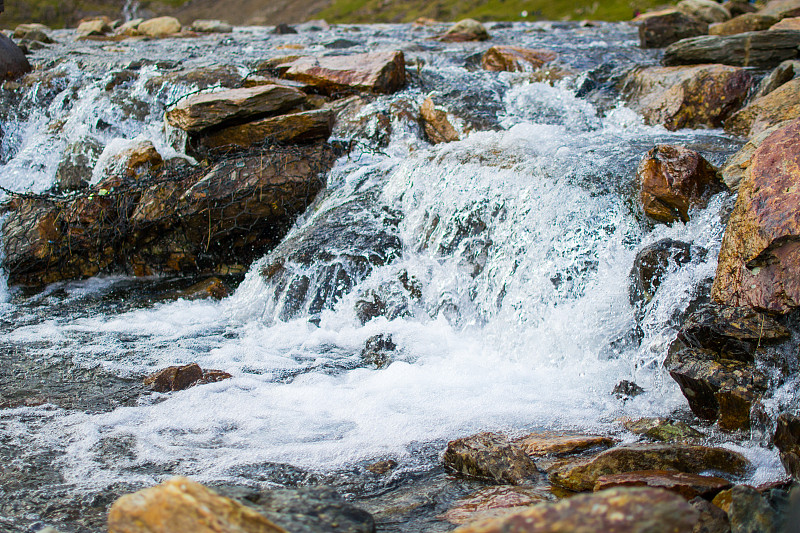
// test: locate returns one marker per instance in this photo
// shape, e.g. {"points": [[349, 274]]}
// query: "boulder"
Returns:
{"points": [[438, 127], [687, 485], [550, 443], [465, 30], [792, 23], [783, 73], [175, 378], [138, 160], [213, 110], [774, 109], [742, 24], [671, 179], [781, 9], [93, 28], [583, 475], [491, 457], [376, 72], [130, 28], [750, 511], [687, 97], [211, 26], [787, 440], [738, 165], [759, 49], [664, 430], [758, 261], [292, 128], [662, 28], [652, 263], [706, 10], [621, 510], [13, 63], [159, 27], [515, 58], [183, 505], [493, 502]]}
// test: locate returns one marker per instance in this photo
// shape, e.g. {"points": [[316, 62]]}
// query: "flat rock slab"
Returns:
{"points": [[494, 502], [619, 510], [550, 443], [491, 457], [210, 110], [377, 72], [770, 110], [760, 49], [687, 485]]}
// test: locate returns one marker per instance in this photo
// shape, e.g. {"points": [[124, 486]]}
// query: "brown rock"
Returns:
{"points": [[377, 72], [493, 502], [210, 110], [159, 27], [758, 261], [465, 30], [662, 28], [742, 23], [183, 505], [792, 23], [787, 440], [712, 518], [139, 159], [438, 127], [22, 29], [705, 10], [549, 443], [515, 58], [583, 475], [671, 179], [723, 500], [382, 467], [13, 63], [174, 378], [738, 165], [491, 457], [620, 510], [687, 97], [782, 9], [774, 109], [759, 49], [687, 485], [664, 430], [209, 288]]}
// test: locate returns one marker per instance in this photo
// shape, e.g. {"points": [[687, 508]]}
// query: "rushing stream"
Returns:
{"points": [[502, 270]]}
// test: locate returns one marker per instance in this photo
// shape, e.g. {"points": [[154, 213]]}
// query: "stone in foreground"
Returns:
{"points": [[376, 72], [619, 510], [760, 49], [183, 505], [491, 457]]}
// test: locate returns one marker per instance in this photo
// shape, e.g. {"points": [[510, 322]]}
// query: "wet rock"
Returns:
{"points": [[783, 73], [211, 26], [671, 179], [292, 128], [773, 109], [738, 165], [787, 24], [622, 510], [739, 7], [356, 119], [712, 518], [159, 27], [627, 389], [176, 378], [382, 467], [183, 505], [93, 28], [550, 443], [493, 502], [284, 29], [515, 58], [687, 485], [664, 430], [705, 10], [465, 30], [652, 263], [13, 63], [750, 512], [378, 351], [758, 261], [75, 169], [760, 49], [377, 72], [687, 97], [340, 44], [138, 160], [742, 24], [662, 28], [781, 8], [787, 440], [491, 457], [210, 110], [202, 78], [438, 126], [208, 288], [583, 475]]}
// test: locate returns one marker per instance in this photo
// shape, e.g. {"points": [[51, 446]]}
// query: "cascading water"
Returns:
{"points": [[500, 262]]}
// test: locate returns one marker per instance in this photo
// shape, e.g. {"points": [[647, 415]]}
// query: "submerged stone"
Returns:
{"points": [[494, 502], [664, 430]]}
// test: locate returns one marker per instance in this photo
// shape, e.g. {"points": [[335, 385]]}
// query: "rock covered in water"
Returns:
{"points": [[176, 378], [13, 63], [706, 10], [671, 179], [759, 49], [583, 475], [787, 440], [159, 27], [465, 30], [621, 510], [659, 29], [758, 261], [652, 263], [376, 72], [74, 172], [378, 351], [493, 502], [773, 109], [687, 97], [687, 485], [515, 58], [183, 505], [491, 457], [438, 127], [742, 24], [664, 430]]}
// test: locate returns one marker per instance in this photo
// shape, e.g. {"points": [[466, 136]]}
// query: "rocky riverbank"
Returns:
{"points": [[248, 157]]}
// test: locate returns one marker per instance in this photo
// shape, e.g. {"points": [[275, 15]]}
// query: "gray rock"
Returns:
{"points": [[786, 71], [13, 63], [75, 170], [760, 49], [750, 512]]}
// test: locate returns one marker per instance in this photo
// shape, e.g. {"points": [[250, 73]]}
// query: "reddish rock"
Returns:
{"points": [[175, 378], [738, 165], [491, 457], [687, 485], [550, 443], [787, 440], [759, 262], [494, 502], [773, 109], [438, 127], [377, 72], [687, 97], [515, 58], [742, 23], [658, 29], [671, 179]]}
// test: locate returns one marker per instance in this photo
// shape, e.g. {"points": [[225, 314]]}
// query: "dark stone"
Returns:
{"points": [[490, 457], [627, 389], [760, 49], [176, 378], [712, 518], [75, 170], [787, 440], [339, 44], [653, 262], [13, 63], [313, 510], [283, 29], [663, 28], [750, 512], [377, 350]]}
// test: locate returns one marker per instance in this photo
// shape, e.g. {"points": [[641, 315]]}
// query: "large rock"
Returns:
{"points": [[787, 440], [13, 63], [214, 110], [742, 24], [493, 502], [159, 27], [671, 179], [619, 510], [687, 97], [775, 108], [515, 58], [93, 28], [687, 485], [705, 10], [490, 457], [466, 30], [583, 475], [759, 259], [183, 505], [759, 49], [662, 28], [738, 165], [22, 29], [377, 72]]}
